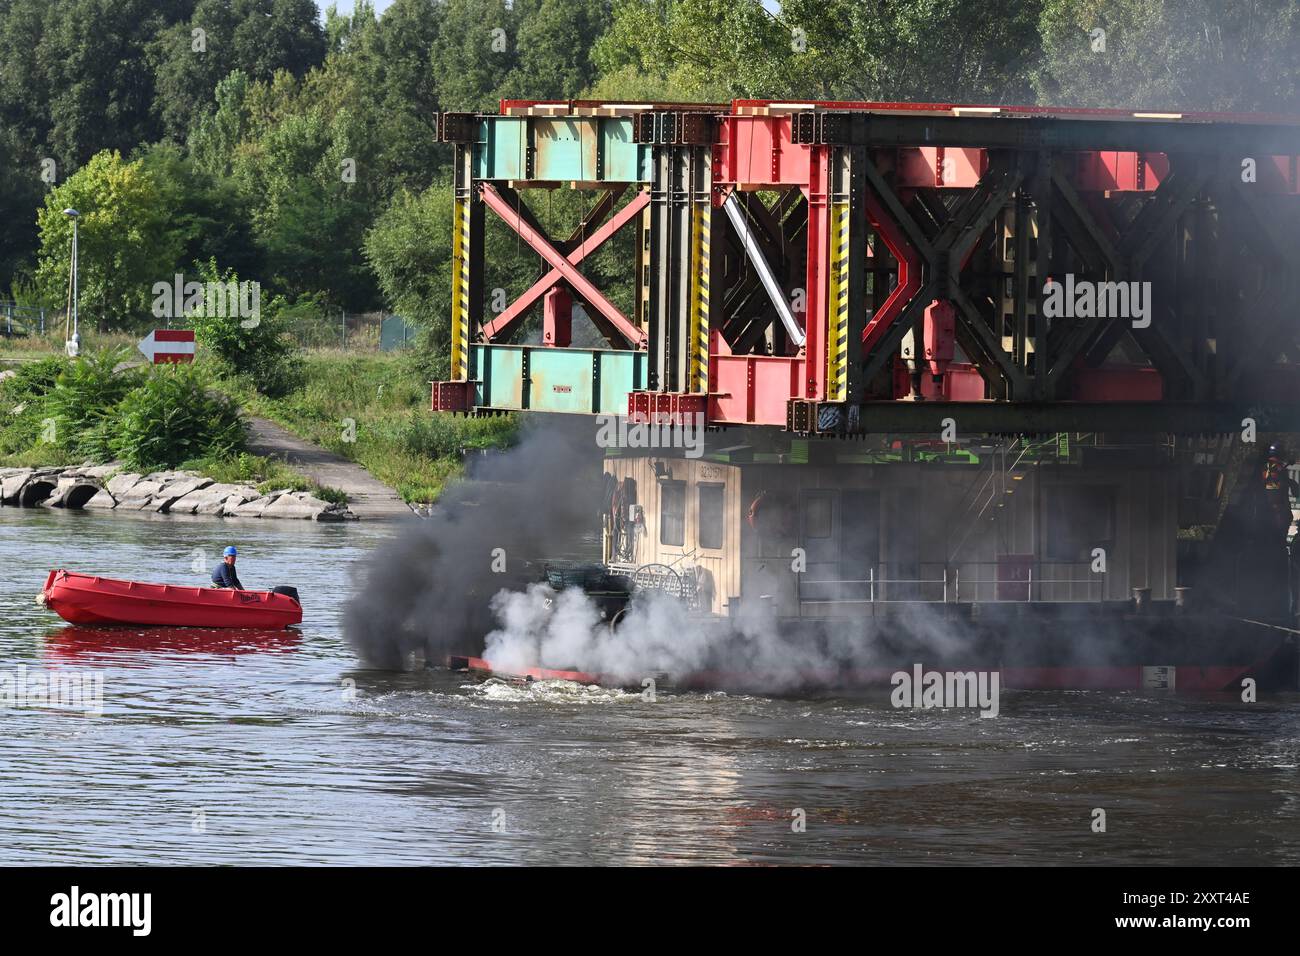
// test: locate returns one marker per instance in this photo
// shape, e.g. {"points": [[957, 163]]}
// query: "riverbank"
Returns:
{"points": [[373, 409], [354, 423], [112, 487]]}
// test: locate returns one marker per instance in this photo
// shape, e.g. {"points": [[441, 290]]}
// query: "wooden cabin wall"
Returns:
{"points": [[722, 565]]}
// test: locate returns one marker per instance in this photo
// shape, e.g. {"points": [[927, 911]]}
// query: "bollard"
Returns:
{"points": [[1141, 600]]}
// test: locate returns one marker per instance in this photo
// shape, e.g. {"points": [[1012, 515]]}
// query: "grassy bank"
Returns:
{"points": [[55, 412], [373, 408]]}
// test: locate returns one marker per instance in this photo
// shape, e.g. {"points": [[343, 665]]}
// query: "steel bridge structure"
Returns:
{"points": [[852, 267]]}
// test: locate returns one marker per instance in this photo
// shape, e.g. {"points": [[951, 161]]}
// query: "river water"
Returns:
{"points": [[241, 748]]}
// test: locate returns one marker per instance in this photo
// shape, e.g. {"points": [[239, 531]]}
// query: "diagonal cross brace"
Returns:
{"points": [[562, 265], [502, 324], [947, 255]]}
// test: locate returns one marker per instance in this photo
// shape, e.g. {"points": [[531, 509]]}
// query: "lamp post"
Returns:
{"points": [[73, 344]]}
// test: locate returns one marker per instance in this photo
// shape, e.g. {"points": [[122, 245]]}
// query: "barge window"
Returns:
{"points": [[672, 513], [711, 513]]}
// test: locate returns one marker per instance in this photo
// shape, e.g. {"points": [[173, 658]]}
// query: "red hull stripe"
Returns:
{"points": [[1189, 677]]}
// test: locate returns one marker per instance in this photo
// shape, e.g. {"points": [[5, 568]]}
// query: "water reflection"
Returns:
{"points": [[91, 644]]}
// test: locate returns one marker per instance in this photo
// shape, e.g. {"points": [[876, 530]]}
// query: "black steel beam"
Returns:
{"points": [[1036, 133], [1178, 418]]}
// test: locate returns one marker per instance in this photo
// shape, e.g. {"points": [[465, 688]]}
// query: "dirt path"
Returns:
{"points": [[368, 497]]}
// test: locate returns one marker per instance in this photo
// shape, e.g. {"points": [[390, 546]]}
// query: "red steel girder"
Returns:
{"points": [[503, 322], [816, 324], [544, 248]]}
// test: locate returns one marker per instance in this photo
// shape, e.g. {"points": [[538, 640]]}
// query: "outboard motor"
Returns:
{"points": [[287, 592]]}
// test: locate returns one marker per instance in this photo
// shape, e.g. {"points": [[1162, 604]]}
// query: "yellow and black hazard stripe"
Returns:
{"points": [[460, 246], [837, 355], [700, 240]]}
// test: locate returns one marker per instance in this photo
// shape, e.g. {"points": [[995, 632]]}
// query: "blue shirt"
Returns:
{"points": [[224, 576]]}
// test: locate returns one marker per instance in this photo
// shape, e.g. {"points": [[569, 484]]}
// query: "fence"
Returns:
{"points": [[351, 331], [18, 319]]}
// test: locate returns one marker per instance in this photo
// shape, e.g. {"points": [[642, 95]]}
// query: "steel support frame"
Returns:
{"points": [[1031, 163], [681, 273]]}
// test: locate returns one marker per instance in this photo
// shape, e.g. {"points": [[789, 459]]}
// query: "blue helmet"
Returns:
{"points": [[230, 552]]}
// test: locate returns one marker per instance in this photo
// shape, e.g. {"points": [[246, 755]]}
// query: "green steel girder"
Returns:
{"points": [[583, 149], [549, 379]]}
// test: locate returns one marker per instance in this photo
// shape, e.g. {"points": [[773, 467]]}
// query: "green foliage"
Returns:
{"points": [[20, 194], [127, 241], [409, 250], [76, 77], [256, 37], [207, 216], [33, 380], [964, 51], [1230, 55], [23, 406], [252, 347], [172, 417], [444, 435], [83, 402]]}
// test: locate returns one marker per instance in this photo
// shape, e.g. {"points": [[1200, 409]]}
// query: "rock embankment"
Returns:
{"points": [[163, 492]]}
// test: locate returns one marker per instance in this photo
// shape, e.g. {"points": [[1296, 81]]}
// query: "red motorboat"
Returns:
{"points": [[91, 599]]}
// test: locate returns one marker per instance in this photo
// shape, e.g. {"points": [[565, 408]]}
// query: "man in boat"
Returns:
{"points": [[223, 575]]}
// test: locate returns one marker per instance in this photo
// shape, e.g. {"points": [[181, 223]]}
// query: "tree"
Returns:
{"points": [[1212, 55], [257, 350], [127, 240], [73, 82], [216, 136], [555, 40], [920, 50], [20, 194], [256, 37], [476, 48], [208, 215], [409, 251]]}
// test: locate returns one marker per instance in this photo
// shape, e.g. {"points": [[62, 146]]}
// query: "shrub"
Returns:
{"points": [[254, 350], [171, 417], [34, 380], [84, 399], [24, 405]]}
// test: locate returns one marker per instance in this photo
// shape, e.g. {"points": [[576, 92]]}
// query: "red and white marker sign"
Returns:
{"points": [[168, 345]]}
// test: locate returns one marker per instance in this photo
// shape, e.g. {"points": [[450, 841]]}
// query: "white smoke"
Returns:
{"points": [[660, 637]]}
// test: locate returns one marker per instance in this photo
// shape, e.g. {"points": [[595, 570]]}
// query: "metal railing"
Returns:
{"points": [[948, 586]]}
